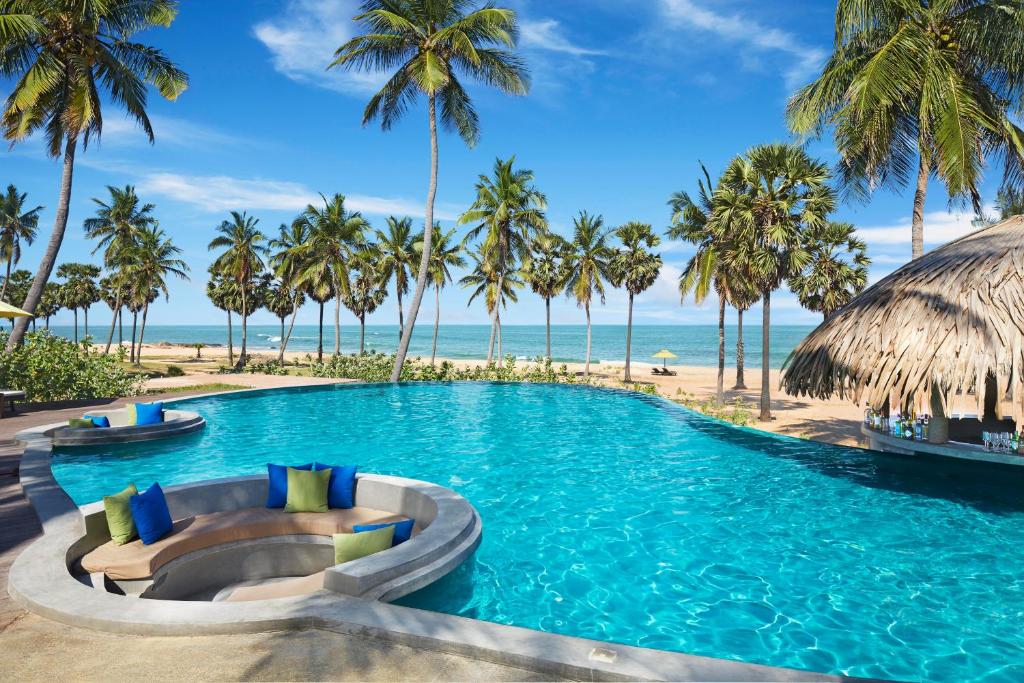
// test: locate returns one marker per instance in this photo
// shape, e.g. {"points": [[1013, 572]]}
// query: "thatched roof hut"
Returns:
{"points": [[949, 320]]}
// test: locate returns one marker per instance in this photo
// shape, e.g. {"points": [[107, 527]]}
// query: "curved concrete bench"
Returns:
{"points": [[176, 423]]}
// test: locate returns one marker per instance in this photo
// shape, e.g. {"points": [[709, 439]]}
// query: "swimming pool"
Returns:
{"points": [[621, 517]]}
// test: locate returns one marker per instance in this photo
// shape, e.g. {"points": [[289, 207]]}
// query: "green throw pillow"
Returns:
{"points": [[307, 490], [348, 547], [80, 423], [119, 515]]}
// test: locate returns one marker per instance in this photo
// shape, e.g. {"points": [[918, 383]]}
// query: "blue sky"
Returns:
{"points": [[627, 96]]}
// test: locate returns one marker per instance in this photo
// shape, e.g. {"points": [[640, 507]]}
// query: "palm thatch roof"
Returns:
{"points": [[950, 319]]}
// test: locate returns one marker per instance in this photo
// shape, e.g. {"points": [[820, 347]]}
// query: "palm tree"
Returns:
{"points": [[17, 226], [289, 263], [742, 296], [17, 283], [366, 292], [766, 200], [116, 228], [837, 271], [154, 258], [693, 221], [485, 282], [928, 82], [545, 271], [396, 251], [242, 260], [587, 262], [79, 289], [113, 292], [509, 210], [283, 300], [426, 42], [223, 293], [447, 254], [334, 236], [66, 58], [1009, 202], [635, 268], [49, 304]]}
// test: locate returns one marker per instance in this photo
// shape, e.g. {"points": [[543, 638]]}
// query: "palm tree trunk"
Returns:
{"points": [[287, 338], [437, 323], [142, 333], [401, 319], [75, 311], [60, 223], [362, 332], [86, 312], [280, 352], [231, 341], [320, 343], [766, 396], [490, 341], [629, 337], [428, 233], [120, 325], [245, 328], [720, 386], [113, 322], [47, 323], [7, 278], [586, 369], [917, 228], [501, 356], [337, 325], [135, 322], [740, 360], [547, 305]]}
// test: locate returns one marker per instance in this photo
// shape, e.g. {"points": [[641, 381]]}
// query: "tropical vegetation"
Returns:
{"points": [[18, 226]]}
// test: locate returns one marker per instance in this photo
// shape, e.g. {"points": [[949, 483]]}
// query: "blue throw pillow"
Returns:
{"points": [[341, 490], [403, 530], [150, 514], [98, 420], [277, 483], [149, 413]]}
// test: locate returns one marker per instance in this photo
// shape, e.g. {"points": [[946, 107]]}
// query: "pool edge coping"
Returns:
{"points": [[62, 598]]}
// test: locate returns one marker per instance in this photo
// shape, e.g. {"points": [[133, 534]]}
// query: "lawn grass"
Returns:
{"points": [[196, 388]]}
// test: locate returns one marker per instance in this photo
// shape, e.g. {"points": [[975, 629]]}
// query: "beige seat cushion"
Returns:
{"points": [[137, 561], [270, 590]]}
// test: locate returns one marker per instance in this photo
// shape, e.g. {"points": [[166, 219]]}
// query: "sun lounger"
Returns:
{"points": [[656, 371], [7, 398], [668, 373]]}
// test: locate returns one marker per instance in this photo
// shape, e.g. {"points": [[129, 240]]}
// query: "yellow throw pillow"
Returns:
{"points": [[348, 547]]}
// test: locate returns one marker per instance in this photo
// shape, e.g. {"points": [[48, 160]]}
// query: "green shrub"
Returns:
{"points": [[376, 367], [270, 367], [51, 368], [738, 412], [174, 371]]}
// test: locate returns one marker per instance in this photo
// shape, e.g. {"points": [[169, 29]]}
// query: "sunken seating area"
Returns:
{"points": [[136, 561]]}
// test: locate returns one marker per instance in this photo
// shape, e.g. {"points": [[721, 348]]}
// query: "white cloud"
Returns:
{"points": [[121, 131], [939, 227], [302, 41], [546, 34], [226, 193], [739, 29]]}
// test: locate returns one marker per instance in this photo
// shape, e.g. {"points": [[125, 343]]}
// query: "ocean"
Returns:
{"points": [[694, 344]]}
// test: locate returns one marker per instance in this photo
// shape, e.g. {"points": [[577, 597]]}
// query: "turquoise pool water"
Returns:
{"points": [[620, 517]]}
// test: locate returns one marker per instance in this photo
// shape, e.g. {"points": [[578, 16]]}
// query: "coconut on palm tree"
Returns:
{"points": [[837, 270], [925, 87], [766, 199], [154, 259], [447, 254], [241, 260], [395, 254], [116, 228], [17, 226], [588, 263], [428, 44], [508, 211], [66, 58], [635, 268], [496, 292], [334, 236], [366, 292], [545, 271]]}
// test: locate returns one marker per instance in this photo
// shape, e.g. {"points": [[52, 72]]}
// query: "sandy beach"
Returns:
{"points": [[833, 421]]}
